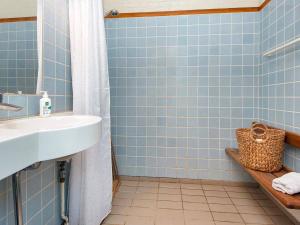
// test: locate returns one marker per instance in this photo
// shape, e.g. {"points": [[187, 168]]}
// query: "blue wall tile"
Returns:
{"points": [[280, 72], [169, 93], [56, 58], [39, 187], [18, 57], [184, 83]]}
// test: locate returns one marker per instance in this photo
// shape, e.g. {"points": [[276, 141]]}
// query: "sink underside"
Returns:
{"points": [[27, 141]]}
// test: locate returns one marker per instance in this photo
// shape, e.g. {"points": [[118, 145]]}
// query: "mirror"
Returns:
{"points": [[18, 46]]}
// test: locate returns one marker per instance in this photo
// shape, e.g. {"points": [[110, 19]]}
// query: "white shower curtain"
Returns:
{"points": [[91, 175]]}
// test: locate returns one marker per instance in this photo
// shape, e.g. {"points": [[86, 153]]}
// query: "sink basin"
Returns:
{"points": [[27, 141]]}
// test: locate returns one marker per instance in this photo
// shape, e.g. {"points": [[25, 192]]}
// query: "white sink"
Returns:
{"points": [[27, 141]]}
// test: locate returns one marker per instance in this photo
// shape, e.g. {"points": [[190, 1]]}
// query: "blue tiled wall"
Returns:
{"points": [[39, 187], [56, 65], [40, 197], [30, 104], [18, 57], [57, 57], [280, 76], [180, 85]]}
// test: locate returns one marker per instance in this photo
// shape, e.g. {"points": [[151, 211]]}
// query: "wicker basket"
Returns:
{"points": [[261, 148]]}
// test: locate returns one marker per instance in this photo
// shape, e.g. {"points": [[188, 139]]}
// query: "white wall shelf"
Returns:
{"points": [[281, 47]]}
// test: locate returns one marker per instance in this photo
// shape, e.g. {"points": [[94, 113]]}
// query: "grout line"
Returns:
{"points": [[210, 210]]}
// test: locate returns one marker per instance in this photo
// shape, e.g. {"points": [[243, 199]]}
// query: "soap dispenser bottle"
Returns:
{"points": [[45, 105]]}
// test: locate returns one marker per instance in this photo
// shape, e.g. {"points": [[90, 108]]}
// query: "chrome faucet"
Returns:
{"points": [[8, 107]]}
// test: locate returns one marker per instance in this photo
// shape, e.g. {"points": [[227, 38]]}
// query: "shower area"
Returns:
{"points": [[180, 86]]}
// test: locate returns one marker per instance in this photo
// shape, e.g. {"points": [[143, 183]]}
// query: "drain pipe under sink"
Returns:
{"points": [[16, 184], [63, 207], [63, 180]]}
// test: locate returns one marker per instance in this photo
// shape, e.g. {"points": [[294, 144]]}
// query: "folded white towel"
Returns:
{"points": [[288, 183]]}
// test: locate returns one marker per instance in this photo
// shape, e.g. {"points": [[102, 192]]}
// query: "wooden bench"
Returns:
{"points": [[290, 204], [265, 181]]}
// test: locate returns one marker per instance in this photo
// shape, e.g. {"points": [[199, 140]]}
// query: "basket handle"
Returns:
{"points": [[259, 132]]}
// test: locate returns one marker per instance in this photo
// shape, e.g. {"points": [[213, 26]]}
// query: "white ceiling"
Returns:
{"points": [[18, 8], [173, 5], [27, 8]]}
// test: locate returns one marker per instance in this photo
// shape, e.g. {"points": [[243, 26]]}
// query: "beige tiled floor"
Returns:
{"points": [[171, 202]]}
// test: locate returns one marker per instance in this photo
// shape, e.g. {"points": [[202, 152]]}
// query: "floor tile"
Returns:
{"points": [[236, 189], [170, 212], [169, 205], [256, 219], [148, 184], [216, 193], [115, 219], [170, 191], [212, 182], [219, 200], [154, 201], [135, 220], [228, 223], [212, 187], [199, 222], [130, 178], [195, 206], [254, 190], [239, 195], [259, 196], [193, 215], [169, 180], [227, 217], [190, 181], [148, 196], [129, 183], [251, 209], [191, 186], [169, 220], [144, 203], [192, 192], [122, 201], [223, 208], [152, 190], [138, 211], [169, 185], [280, 220], [151, 179], [169, 216], [244, 201], [266, 203], [273, 211], [120, 210], [127, 189], [130, 195], [166, 197], [108, 224], [194, 198]]}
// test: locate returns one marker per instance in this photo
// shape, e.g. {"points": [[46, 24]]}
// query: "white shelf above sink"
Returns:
{"points": [[27, 141]]}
